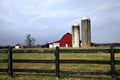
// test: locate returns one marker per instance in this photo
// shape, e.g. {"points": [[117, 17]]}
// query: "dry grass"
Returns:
{"points": [[76, 67]]}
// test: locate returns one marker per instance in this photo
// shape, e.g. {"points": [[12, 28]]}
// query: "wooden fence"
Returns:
{"points": [[112, 62]]}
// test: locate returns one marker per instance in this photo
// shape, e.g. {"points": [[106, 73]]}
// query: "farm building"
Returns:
{"points": [[18, 46], [65, 41], [73, 40]]}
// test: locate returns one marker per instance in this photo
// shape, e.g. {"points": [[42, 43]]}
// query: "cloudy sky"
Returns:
{"points": [[49, 20]]}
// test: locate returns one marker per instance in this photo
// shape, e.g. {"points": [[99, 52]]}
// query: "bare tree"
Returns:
{"points": [[30, 41]]}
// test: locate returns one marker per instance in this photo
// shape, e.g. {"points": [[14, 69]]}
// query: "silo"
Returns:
{"points": [[86, 32], [75, 35]]}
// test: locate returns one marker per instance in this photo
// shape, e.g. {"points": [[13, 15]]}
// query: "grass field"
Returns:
{"points": [[75, 67]]}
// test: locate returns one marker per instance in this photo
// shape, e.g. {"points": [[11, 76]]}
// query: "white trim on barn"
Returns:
{"points": [[50, 45], [54, 45], [17, 47]]}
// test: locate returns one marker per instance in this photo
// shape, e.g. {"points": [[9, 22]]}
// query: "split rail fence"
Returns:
{"points": [[112, 62]]}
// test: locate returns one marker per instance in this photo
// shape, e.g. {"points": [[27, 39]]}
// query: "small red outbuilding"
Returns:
{"points": [[18, 46]]}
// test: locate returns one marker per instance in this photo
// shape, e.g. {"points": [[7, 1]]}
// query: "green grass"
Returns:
{"points": [[33, 76], [75, 67]]}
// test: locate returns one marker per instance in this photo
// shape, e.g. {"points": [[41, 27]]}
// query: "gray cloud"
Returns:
{"points": [[49, 20]]}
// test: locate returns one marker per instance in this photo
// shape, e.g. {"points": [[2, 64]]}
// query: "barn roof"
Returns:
{"points": [[61, 38]]}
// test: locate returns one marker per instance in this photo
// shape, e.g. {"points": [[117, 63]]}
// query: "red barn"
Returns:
{"points": [[65, 41]]}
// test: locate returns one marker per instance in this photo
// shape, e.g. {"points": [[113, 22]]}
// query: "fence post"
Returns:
{"points": [[10, 64], [57, 63], [112, 61]]}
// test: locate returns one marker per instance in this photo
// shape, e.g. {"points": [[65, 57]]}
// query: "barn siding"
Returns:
{"points": [[66, 39]]}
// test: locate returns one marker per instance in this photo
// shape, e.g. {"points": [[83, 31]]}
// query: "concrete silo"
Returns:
{"points": [[86, 32], [75, 35]]}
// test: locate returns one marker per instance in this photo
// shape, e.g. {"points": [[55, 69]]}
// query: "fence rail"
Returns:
{"points": [[57, 61], [63, 51]]}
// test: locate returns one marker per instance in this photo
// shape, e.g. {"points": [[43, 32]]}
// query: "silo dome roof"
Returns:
{"points": [[75, 24], [84, 18]]}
